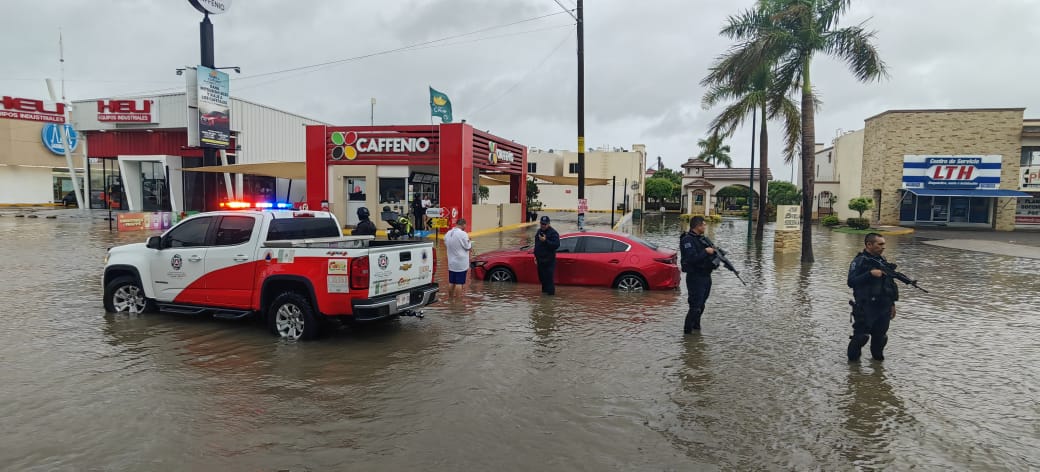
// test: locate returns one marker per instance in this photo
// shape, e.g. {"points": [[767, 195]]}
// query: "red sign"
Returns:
{"points": [[126, 111], [32, 110]]}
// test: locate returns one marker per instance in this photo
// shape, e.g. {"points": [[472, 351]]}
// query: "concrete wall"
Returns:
{"points": [[487, 216], [891, 135], [556, 196], [26, 165], [546, 163], [26, 185], [848, 157]]}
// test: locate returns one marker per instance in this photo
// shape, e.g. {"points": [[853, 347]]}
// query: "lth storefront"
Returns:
{"points": [[394, 167]]}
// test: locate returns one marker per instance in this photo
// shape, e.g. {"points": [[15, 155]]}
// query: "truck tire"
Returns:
{"points": [[125, 295], [292, 317]]}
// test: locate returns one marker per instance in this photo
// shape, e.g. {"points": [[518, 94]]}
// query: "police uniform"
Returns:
{"points": [[698, 266], [874, 299], [545, 256]]}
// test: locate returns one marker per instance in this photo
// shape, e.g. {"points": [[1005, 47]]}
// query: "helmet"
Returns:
{"points": [[362, 213]]}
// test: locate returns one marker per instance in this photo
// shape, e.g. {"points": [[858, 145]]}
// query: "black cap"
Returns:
{"points": [[544, 220]]}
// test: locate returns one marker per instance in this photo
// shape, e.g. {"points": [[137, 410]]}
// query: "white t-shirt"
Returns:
{"points": [[458, 244]]}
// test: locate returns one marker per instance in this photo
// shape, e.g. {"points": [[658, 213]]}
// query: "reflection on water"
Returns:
{"points": [[506, 378]]}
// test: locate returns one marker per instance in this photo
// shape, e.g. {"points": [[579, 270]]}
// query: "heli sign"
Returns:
{"points": [[32, 110], [127, 111], [951, 172]]}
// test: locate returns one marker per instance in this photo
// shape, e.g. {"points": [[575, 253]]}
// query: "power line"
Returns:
{"points": [[524, 78]]}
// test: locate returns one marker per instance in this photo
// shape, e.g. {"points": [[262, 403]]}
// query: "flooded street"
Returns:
{"points": [[506, 379]]}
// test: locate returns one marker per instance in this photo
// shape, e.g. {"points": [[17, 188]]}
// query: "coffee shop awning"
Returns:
{"points": [[564, 180], [282, 170], [501, 179]]}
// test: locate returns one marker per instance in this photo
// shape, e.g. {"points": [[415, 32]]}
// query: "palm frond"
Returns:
{"points": [[853, 45]]}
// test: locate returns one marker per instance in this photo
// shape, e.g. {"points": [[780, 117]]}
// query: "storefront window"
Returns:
{"points": [[980, 210], [907, 204], [924, 209], [392, 190], [194, 185], [106, 185]]}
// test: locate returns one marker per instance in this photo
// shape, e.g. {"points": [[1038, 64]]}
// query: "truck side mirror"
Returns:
{"points": [[154, 242]]}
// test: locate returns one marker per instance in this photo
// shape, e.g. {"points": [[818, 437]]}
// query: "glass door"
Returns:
{"points": [[155, 194]]}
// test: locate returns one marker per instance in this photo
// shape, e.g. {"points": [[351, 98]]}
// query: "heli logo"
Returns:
{"points": [[139, 111], [32, 110], [383, 261], [176, 262], [348, 145]]}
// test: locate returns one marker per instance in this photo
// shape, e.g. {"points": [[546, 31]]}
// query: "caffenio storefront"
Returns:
{"points": [[392, 169]]}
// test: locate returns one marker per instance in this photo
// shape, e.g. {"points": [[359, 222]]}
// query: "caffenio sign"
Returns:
{"points": [[211, 7], [349, 145]]}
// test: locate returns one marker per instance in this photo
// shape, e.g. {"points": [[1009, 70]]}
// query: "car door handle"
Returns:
{"points": [[613, 261], [194, 259], [240, 258]]}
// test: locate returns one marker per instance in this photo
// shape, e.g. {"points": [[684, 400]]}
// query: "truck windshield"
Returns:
{"points": [[302, 228]]}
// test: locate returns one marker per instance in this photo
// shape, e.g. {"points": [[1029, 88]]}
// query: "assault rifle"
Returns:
{"points": [[721, 259], [890, 270]]}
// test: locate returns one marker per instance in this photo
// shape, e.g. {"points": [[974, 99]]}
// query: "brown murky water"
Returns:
{"points": [[506, 379]]}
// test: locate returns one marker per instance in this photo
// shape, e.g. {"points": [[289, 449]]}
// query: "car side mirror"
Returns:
{"points": [[154, 242]]}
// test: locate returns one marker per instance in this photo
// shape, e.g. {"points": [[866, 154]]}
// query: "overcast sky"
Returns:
{"points": [[643, 62]]}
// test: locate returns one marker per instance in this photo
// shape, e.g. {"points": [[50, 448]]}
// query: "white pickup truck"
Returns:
{"points": [[291, 267]]}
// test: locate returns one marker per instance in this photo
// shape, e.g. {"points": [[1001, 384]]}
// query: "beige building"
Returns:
{"points": [[701, 181], [30, 173], [955, 168], [556, 173]]}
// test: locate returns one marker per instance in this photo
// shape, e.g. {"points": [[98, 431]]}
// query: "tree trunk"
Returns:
{"points": [[763, 161], [808, 162]]}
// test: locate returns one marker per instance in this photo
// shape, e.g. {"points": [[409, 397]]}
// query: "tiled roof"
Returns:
{"points": [[733, 174], [697, 163], [699, 183]]}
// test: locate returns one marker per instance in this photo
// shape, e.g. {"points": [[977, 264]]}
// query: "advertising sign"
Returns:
{"points": [[951, 172], [1030, 178], [31, 110], [1028, 211], [52, 138], [142, 110], [788, 217], [348, 145], [214, 108], [211, 7]]}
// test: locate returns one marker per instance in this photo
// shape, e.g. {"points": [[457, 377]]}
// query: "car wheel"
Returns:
{"points": [[125, 295], [292, 317], [501, 274], [630, 283]]}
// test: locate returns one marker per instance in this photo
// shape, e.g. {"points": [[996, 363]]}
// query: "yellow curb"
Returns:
{"points": [[896, 232]]}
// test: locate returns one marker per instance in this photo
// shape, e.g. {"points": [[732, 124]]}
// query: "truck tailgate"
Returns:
{"points": [[400, 267]]}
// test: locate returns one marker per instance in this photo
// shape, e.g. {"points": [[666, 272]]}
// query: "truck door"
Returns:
{"points": [[179, 266], [230, 265]]}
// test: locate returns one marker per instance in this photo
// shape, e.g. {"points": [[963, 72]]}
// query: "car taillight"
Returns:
{"points": [[359, 273], [670, 260]]}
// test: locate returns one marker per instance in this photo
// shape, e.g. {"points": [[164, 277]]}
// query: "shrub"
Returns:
{"points": [[858, 223], [829, 220], [861, 205]]}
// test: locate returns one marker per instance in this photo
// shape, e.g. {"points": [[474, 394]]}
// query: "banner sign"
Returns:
{"points": [[142, 110], [31, 110], [52, 138], [349, 145], [951, 172], [214, 108]]}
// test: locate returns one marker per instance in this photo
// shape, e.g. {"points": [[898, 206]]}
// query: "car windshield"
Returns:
{"points": [[642, 241]]}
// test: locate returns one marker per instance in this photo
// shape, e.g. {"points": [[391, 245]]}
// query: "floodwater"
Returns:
{"points": [[506, 379]]}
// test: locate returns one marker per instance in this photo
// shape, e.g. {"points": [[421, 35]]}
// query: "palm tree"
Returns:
{"points": [[713, 151], [788, 34], [759, 95]]}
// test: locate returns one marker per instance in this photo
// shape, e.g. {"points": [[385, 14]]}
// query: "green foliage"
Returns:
{"points": [[858, 223], [732, 191], [661, 189], [783, 193], [829, 220], [484, 192], [672, 176], [713, 151], [861, 205], [532, 192]]}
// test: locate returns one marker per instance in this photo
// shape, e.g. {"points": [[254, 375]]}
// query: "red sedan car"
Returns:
{"points": [[596, 259]]}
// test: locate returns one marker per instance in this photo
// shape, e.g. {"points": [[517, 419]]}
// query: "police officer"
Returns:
{"points": [[875, 294], [697, 263], [546, 242], [365, 226]]}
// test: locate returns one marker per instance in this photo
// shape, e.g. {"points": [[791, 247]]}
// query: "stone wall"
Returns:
{"points": [[893, 134], [788, 240]]}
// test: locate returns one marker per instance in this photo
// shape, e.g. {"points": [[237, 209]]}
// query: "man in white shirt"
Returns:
{"points": [[459, 246]]}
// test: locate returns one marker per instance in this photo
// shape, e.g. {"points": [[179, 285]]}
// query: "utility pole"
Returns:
{"points": [[580, 19]]}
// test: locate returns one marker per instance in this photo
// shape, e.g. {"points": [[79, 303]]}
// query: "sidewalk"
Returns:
{"points": [[1020, 243]]}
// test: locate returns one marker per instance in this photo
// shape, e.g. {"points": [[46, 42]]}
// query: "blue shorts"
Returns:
{"points": [[457, 278]]}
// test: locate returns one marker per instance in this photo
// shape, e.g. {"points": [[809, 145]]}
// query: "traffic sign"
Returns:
{"points": [[438, 223], [434, 212]]}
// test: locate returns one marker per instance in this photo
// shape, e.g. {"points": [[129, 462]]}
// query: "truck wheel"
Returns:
{"points": [[124, 294], [292, 317]]}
